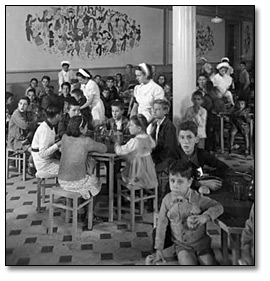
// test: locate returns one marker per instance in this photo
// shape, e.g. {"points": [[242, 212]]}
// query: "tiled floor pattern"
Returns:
{"points": [[27, 241]]}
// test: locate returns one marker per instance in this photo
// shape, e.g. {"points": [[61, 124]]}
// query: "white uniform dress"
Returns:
{"points": [[223, 83], [90, 90], [65, 76], [145, 95]]}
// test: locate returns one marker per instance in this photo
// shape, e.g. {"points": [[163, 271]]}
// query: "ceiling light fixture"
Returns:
{"points": [[216, 19]]}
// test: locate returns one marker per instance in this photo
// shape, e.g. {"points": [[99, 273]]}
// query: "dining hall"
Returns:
{"points": [[130, 135]]}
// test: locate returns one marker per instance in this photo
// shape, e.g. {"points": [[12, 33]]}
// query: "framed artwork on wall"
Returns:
{"points": [[247, 40]]}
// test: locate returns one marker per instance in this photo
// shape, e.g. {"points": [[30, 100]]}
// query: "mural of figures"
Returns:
{"points": [[247, 40], [204, 39], [82, 31]]}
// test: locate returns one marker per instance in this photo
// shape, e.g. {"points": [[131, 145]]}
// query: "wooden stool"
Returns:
{"points": [[41, 185], [19, 157], [71, 205], [128, 192]]}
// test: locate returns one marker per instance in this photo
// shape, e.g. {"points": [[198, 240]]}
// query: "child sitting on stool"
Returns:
{"points": [[187, 213]]}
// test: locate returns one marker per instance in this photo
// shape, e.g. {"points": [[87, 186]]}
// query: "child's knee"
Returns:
{"points": [[187, 258], [207, 259]]}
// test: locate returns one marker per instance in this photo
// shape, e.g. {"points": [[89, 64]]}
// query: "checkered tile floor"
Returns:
{"points": [[28, 242]]}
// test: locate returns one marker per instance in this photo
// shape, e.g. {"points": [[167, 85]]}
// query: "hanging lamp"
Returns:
{"points": [[216, 19]]}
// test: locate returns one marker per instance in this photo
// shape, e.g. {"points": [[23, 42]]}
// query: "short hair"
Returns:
{"points": [[162, 75], [201, 75], [119, 104], [197, 93], [182, 167], [106, 89], [25, 98], [66, 84], [119, 74], [164, 103], [46, 77], [34, 79], [140, 120], [31, 90], [130, 65], [77, 92], [189, 126], [74, 125], [71, 101], [149, 69], [241, 99], [52, 110], [110, 78], [97, 76], [243, 62], [9, 95]]}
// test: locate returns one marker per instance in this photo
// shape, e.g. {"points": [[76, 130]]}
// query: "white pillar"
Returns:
{"points": [[184, 59]]}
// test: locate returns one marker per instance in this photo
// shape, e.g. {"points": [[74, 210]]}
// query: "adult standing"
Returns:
{"points": [[91, 92], [66, 74], [223, 82], [244, 82], [146, 92]]}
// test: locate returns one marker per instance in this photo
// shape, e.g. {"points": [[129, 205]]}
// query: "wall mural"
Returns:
{"points": [[247, 40], [204, 39], [82, 31]]}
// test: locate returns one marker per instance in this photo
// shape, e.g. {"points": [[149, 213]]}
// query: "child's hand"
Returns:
{"points": [[211, 184], [197, 220], [159, 256]]}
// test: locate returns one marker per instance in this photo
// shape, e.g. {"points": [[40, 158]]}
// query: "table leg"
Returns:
{"points": [[224, 246], [111, 182]]}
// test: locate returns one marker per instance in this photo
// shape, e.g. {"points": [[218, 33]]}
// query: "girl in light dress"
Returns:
{"points": [[76, 170], [140, 168]]}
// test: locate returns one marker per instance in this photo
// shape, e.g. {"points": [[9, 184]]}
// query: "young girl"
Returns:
{"points": [[75, 171], [140, 168]]}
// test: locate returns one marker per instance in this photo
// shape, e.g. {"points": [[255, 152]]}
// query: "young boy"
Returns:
{"points": [[187, 150], [73, 109], [198, 114], [44, 145], [240, 122], [21, 127], [86, 112], [164, 133], [107, 99], [34, 105], [186, 212], [113, 91], [118, 122]]}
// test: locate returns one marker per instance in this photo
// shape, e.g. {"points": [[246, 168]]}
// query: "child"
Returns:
{"points": [[34, 105], [198, 114], [118, 122], [240, 122], [107, 99], [187, 213], [164, 133], [9, 107], [198, 157], [33, 85], [129, 94], [65, 89], [45, 86], [140, 168], [75, 174], [73, 109], [247, 240], [44, 145], [110, 85], [119, 83], [65, 75], [21, 128], [86, 112]]}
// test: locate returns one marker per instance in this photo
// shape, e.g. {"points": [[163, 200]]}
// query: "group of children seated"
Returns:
{"points": [[58, 137]]}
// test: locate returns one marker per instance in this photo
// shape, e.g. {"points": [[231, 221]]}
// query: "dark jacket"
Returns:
{"points": [[166, 142]]}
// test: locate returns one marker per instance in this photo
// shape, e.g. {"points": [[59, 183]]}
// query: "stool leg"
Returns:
{"points": [[7, 165], [119, 200], [155, 202], [51, 213], [43, 192], [75, 217], [141, 202], [24, 167], [132, 208], [19, 162], [90, 214], [39, 183]]}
